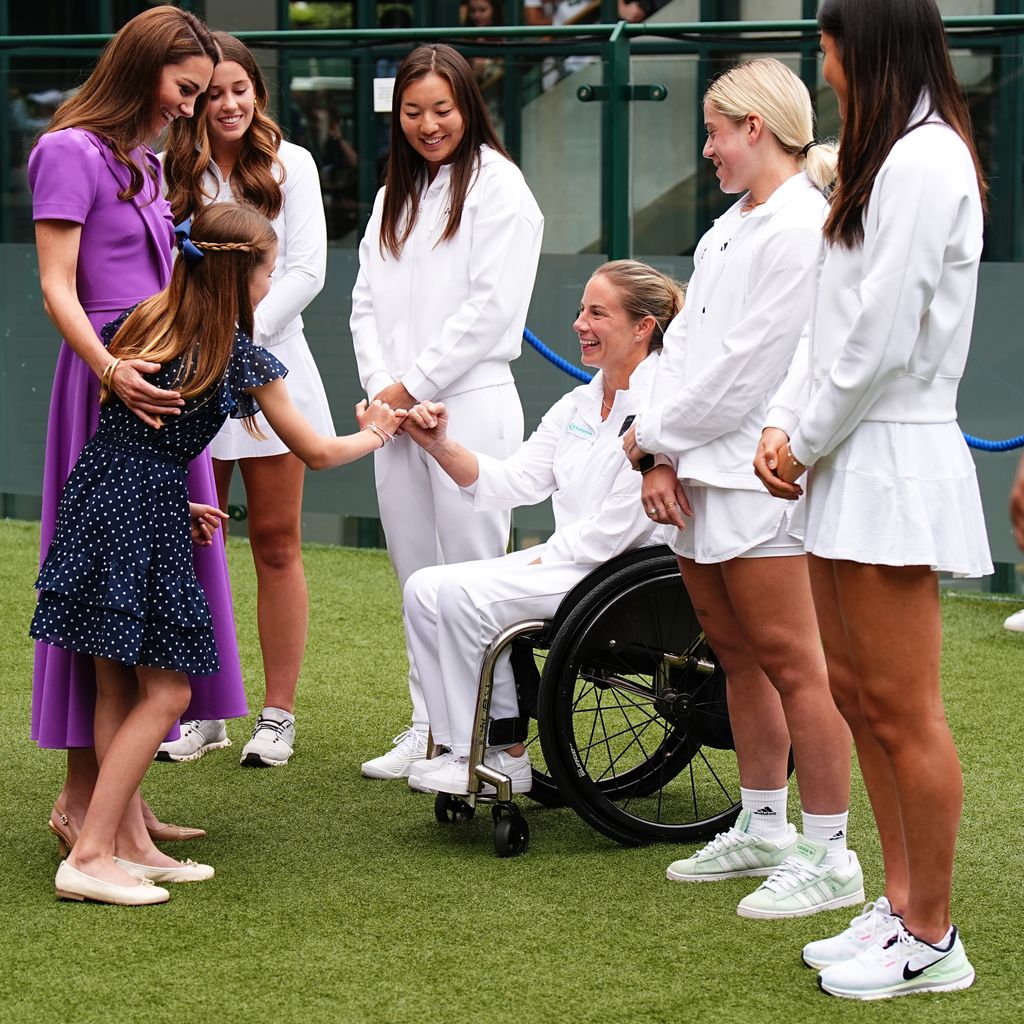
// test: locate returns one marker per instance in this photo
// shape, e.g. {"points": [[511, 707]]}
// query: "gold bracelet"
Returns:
{"points": [[797, 464], [107, 379]]}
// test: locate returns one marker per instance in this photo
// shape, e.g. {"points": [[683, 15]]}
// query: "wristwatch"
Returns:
{"points": [[646, 463]]}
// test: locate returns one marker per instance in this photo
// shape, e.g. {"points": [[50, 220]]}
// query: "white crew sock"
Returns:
{"points": [[767, 812], [829, 829], [289, 717]]}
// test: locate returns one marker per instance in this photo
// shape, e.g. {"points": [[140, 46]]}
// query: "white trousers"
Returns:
{"points": [[453, 612], [426, 519]]}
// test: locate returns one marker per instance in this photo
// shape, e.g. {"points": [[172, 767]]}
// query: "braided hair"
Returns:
{"points": [[195, 317]]}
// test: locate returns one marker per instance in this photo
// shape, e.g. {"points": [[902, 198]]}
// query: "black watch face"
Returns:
{"points": [[645, 463]]}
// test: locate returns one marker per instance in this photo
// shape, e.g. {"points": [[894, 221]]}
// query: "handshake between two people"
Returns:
{"points": [[425, 422]]}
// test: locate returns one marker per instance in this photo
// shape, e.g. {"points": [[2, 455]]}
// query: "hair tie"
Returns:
{"points": [[806, 149], [188, 250]]}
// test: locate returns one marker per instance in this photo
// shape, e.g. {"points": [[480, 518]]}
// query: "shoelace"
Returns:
{"points": [[872, 919], [891, 949], [406, 738], [271, 725], [723, 842], [191, 726], [792, 873]]}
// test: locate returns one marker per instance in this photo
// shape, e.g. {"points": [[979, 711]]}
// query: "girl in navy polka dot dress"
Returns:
{"points": [[118, 582]]}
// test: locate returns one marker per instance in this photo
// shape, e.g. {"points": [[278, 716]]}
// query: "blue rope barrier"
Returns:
{"points": [[981, 443], [994, 446], [554, 357]]}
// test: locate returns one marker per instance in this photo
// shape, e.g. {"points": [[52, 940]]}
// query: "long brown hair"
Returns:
{"points": [[407, 170], [195, 315], [892, 51], [257, 175], [118, 101]]}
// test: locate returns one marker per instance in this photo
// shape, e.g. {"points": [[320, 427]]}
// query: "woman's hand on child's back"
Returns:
{"points": [[144, 399], [205, 522]]}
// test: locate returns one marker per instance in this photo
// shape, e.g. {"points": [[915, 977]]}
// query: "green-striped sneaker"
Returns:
{"points": [[733, 854], [803, 885], [900, 967]]}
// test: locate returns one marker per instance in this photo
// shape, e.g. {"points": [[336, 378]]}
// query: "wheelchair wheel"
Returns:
{"points": [[635, 722]]}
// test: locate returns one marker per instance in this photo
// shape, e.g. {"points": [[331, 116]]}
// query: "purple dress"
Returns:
{"points": [[124, 257]]}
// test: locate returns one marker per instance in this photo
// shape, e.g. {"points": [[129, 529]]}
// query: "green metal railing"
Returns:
{"points": [[711, 42]]}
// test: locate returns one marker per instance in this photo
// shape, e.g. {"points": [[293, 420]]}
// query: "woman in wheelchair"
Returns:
{"points": [[452, 612], [742, 558]]}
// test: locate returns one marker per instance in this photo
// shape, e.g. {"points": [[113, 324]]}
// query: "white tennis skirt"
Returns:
{"points": [[899, 494], [306, 390], [729, 523]]}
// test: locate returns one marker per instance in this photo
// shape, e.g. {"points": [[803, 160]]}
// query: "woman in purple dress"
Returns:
{"points": [[104, 238]]}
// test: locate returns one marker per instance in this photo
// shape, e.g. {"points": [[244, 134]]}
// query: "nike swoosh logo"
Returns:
{"points": [[909, 974]]}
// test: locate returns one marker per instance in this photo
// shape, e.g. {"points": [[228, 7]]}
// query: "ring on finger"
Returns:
{"points": [[671, 504], [652, 511]]}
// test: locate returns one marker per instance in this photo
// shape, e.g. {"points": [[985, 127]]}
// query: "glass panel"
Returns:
{"points": [[561, 153]]}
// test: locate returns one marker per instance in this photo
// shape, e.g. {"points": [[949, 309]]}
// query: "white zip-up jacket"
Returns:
{"points": [[576, 457], [892, 318], [447, 318], [730, 347]]}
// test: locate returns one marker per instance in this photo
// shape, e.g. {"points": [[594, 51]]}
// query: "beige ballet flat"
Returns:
{"points": [[72, 884], [184, 871]]}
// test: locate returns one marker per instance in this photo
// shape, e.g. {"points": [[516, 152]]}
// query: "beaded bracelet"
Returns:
{"points": [[380, 432], [797, 464]]}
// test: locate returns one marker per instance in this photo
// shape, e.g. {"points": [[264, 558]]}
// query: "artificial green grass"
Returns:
{"points": [[340, 899]]}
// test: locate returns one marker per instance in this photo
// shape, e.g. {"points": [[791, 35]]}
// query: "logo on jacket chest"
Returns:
{"points": [[581, 430]]}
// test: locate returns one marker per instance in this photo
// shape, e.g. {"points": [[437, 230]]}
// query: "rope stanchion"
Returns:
{"points": [[554, 357], [980, 443]]}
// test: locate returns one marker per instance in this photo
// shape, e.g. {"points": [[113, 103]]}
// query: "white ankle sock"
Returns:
{"points": [[289, 717], [829, 829], [767, 812]]}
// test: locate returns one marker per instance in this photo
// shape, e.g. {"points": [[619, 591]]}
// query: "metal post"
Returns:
{"points": [[1003, 230], [366, 118], [617, 212]]}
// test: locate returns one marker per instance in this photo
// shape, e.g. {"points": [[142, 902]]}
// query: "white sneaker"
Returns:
{"points": [[803, 884], [425, 766], [899, 967], [197, 738], [875, 924], [453, 777], [410, 746], [1015, 623], [733, 854], [272, 740]]}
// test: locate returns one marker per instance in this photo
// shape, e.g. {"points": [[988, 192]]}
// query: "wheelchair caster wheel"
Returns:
{"points": [[450, 809], [511, 833]]}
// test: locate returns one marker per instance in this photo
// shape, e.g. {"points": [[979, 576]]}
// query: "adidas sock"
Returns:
{"points": [[767, 812], [829, 829]]}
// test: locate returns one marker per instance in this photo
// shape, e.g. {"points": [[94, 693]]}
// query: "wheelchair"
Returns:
{"points": [[622, 708]]}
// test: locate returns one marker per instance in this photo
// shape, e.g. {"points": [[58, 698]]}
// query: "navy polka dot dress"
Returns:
{"points": [[118, 581]]}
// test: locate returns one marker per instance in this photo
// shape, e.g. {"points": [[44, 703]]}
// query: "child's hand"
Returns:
{"points": [[380, 414], [205, 522]]}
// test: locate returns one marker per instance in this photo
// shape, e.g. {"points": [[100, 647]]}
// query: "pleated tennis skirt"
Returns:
{"points": [[899, 494]]}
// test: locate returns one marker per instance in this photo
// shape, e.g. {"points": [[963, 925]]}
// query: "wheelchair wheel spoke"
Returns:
{"points": [[641, 733]]}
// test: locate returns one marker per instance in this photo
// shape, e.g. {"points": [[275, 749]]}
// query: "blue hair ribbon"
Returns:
{"points": [[189, 252]]}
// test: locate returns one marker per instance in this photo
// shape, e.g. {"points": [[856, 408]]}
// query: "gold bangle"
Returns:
{"points": [[107, 379]]}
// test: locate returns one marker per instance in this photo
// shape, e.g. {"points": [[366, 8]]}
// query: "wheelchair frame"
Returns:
{"points": [[677, 677]]}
